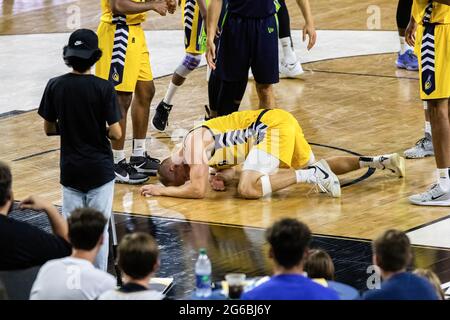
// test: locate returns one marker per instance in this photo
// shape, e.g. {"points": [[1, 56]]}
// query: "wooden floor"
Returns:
{"points": [[362, 104]]}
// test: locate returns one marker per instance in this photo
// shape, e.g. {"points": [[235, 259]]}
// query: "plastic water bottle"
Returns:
{"points": [[203, 275]]}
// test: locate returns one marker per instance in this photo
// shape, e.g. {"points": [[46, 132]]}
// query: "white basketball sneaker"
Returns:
{"points": [[423, 148], [396, 164], [326, 180], [291, 70], [434, 196]]}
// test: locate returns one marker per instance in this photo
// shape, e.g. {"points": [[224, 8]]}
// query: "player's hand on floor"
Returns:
{"points": [[310, 31], [151, 190], [217, 183], [160, 7], [33, 203]]}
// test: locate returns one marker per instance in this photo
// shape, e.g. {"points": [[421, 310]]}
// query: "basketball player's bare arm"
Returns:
{"points": [[214, 9], [131, 7], [309, 29], [203, 9], [196, 188]]}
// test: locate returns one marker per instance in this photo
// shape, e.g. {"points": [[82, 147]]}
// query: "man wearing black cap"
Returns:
{"points": [[83, 110]]}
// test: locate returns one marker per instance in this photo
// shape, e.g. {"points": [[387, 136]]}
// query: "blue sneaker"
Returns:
{"points": [[407, 61]]}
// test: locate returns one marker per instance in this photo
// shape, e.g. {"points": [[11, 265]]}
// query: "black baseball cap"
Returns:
{"points": [[83, 43]]}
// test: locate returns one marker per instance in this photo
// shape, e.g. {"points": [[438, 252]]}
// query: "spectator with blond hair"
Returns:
{"points": [[434, 280]]}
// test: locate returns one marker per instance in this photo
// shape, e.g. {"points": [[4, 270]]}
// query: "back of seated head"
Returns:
{"points": [[5, 184], [289, 240], [433, 279], [392, 250], [138, 255], [86, 227], [319, 265]]}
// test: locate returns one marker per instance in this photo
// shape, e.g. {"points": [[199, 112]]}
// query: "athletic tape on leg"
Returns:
{"points": [[266, 186]]}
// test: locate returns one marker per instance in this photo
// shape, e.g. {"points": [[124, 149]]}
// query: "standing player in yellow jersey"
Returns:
{"points": [[429, 32], [270, 146], [194, 19], [126, 63]]}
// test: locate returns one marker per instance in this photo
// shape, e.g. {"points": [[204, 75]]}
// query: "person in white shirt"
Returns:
{"points": [[138, 260], [75, 277]]}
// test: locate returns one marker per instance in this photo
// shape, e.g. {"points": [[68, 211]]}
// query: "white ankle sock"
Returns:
{"points": [[378, 162], [138, 147], [428, 128], [404, 46], [305, 175], [444, 179], [118, 155], [288, 50], [170, 93]]}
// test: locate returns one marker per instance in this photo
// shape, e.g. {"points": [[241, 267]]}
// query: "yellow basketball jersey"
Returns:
{"points": [[275, 131], [107, 14], [234, 136], [439, 15]]}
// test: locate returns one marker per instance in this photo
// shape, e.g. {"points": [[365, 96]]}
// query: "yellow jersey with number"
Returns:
{"points": [[107, 14], [439, 15], [276, 132]]}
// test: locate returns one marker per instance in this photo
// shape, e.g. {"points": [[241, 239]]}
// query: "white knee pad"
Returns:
{"points": [[425, 105], [266, 186], [190, 62]]}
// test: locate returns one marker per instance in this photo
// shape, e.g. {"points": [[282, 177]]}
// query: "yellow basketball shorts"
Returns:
{"points": [[125, 58], [194, 30], [284, 139], [435, 54]]}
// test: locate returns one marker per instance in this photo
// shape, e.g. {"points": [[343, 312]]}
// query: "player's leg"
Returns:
{"points": [[289, 64], [264, 60], [424, 146], [391, 162], [140, 111], [439, 193], [261, 176], [266, 96], [124, 172], [406, 58]]}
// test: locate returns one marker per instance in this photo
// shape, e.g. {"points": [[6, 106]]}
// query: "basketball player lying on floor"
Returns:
{"points": [[272, 150]]}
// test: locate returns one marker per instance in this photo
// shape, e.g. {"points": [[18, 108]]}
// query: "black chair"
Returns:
{"points": [[18, 283]]}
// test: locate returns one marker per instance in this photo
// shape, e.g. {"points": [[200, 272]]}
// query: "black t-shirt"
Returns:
{"points": [[24, 246], [82, 105], [252, 8]]}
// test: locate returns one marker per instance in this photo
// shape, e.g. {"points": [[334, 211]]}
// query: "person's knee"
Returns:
{"points": [[144, 94], [189, 64], [438, 110], [251, 190]]}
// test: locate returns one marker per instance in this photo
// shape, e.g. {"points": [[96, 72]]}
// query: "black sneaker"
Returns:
{"points": [[125, 173], [146, 164], [161, 118]]}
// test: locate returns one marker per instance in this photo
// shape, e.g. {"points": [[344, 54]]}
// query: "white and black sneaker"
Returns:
{"points": [[145, 165], [160, 120], [325, 179], [125, 173], [434, 196], [423, 148], [291, 70]]}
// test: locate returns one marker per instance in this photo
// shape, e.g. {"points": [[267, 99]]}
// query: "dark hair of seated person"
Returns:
{"points": [[86, 226], [289, 239]]}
